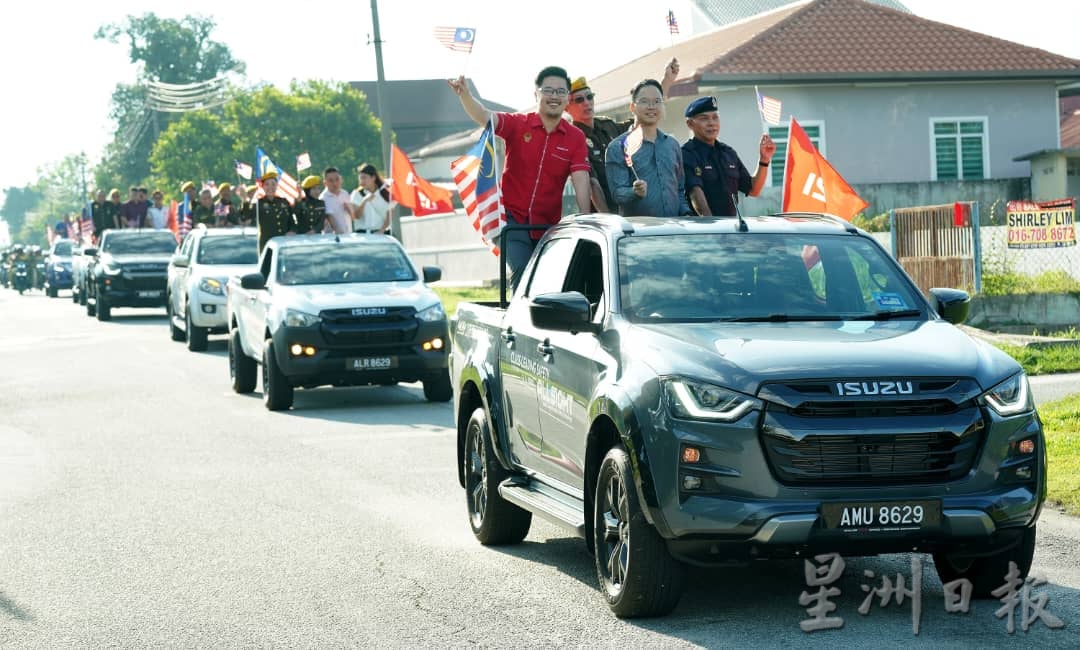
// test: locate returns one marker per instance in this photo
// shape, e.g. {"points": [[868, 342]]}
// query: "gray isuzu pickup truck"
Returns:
{"points": [[695, 392]]}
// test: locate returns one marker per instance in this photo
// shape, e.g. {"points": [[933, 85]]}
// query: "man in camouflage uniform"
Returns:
{"points": [[273, 214], [600, 131], [310, 210]]}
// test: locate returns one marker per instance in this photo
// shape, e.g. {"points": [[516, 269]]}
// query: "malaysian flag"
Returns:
{"points": [[86, 224], [183, 217], [458, 39], [673, 25], [243, 170], [769, 107], [287, 187], [478, 185], [303, 161]]}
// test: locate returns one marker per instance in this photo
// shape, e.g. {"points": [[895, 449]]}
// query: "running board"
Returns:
{"points": [[557, 507]]}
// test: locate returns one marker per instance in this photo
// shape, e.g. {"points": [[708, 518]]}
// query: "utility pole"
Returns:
{"points": [[384, 110]]}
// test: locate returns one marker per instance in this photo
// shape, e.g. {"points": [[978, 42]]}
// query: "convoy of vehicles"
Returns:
{"points": [[692, 392], [336, 310]]}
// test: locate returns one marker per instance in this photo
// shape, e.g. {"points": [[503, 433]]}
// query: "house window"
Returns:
{"points": [[959, 147], [1072, 167], [779, 134]]}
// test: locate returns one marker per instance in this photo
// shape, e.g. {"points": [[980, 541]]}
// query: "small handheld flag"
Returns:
{"points": [[631, 145], [673, 25], [303, 161], [243, 170], [458, 39], [769, 108]]}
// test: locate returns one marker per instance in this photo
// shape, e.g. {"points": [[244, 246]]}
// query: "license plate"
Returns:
{"points": [[371, 363], [149, 294], [882, 517]]}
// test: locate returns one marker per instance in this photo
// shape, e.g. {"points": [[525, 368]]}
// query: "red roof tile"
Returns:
{"points": [[854, 38]]}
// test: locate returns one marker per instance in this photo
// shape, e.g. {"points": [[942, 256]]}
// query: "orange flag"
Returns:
{"points": [[414, 192], [811, 184], [171, 222]]}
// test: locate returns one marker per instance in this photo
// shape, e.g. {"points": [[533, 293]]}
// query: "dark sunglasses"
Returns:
{"points": [[580, 99]]}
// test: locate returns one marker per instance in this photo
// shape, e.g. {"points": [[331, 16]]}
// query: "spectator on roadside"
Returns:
{"points": [[339, 210], [371, 201], [654, 185], [542, 151], [158, 214]]}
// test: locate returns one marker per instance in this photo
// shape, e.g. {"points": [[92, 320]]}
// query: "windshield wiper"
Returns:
{"points": [[887, 315], [780, 318]]}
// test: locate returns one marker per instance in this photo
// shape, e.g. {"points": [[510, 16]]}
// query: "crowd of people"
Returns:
{"points": [[630, 167], [323, 206]]}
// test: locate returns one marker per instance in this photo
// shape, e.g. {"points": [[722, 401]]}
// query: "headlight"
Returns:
{"points": [[111, 269], [1011, 396], [432, 314], [59, 268], [212, 286], [295, 318], [700, 401]]}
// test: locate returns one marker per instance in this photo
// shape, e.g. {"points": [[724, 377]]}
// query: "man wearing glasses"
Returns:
{"points": [[542, 151], [600, 131]]}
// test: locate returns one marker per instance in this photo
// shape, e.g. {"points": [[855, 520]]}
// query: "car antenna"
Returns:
{"points": [[738, 212]]}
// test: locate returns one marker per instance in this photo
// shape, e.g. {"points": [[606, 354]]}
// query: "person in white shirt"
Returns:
{"points": [[371, 201], [339, 210], [158, 213]]}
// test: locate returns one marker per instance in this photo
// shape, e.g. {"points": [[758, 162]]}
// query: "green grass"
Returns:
{"points": [[1043, 361], [1007, 284], [451, 296], [1061, 422]]}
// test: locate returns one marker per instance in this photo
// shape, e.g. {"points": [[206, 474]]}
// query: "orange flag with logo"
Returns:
{"points": [[811, 184], [414, 192]]}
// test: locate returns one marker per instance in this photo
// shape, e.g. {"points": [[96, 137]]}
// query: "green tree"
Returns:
{"points": [[166, 50], [18, 201], [193, 148], [60, 187]]}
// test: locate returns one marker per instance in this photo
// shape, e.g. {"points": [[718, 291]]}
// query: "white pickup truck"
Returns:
{"points": [[347, 310]]}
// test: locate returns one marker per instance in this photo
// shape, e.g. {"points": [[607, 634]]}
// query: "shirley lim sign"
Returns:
{"points": [[1046, 224]]}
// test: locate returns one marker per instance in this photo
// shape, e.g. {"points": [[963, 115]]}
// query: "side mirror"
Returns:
{"points": [[253, 281], [90, 252], [564, 312], [951, 304], [432, 274], [179, 261]]}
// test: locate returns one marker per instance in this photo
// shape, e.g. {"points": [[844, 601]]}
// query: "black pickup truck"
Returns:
{"points": [[705, 391], [129, 269]]}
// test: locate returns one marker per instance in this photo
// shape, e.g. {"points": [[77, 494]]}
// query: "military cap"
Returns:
{"points": [[114, 191], [310, 182], [578, 84], [187, 186], [270, 173], [701, 105], [252, 189], [222, 187]]}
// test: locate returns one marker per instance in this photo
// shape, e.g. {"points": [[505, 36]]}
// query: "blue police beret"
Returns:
{"points": [[701, 105]]}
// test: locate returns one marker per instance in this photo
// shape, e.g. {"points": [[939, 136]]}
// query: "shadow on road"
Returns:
{"points": [[138, 318], [8, 607], [371, 405]]}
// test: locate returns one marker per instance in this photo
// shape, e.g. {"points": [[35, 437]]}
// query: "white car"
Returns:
{"points": [[198, 275]]}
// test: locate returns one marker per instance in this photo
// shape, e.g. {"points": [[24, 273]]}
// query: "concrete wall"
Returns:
{"points": [[1046, 312], [450, 242]]}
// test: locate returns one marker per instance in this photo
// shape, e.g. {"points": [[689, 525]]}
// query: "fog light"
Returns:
{"points": [[209, 309], [1026, 446], [426, 346], [436, 343], [310, 351], [296, 349], [691, 454], [691, 482]]}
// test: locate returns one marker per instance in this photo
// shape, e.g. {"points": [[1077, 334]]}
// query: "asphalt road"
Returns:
{"points": [[144, 504]]}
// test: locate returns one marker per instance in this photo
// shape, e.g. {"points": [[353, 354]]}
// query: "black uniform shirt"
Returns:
{"points": [[718, 171], [597, 138], [275, 218]]}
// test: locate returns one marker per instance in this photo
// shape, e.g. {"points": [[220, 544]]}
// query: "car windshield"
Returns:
{"points": [[141, 243], [335, 263], [62, 249], [229, 249], [761, 277]]}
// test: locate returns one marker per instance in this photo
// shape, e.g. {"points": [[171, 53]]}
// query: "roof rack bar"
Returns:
{"points": [[603, 219]]}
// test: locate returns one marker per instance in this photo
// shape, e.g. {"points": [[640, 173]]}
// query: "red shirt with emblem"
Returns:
{"points": [[537, 166]]}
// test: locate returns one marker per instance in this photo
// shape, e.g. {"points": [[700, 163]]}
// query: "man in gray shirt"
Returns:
{"points": [[644, 167]]}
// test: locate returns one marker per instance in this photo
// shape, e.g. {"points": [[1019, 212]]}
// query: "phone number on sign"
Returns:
{"points": [[1065, 235]]}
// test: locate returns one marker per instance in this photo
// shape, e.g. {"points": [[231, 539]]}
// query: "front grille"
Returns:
{"points": [[855, 409], [872, 459], [141, 282], [344, 327]]}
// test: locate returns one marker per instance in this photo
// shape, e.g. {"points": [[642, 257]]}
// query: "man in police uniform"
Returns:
{"points": [[714, 173], [311, 210], [600, 131], [273, 214], [97, 214]]}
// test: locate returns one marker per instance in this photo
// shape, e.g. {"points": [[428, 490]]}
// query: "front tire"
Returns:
{"points": [[277, 392], [175, 333], [242, 368], [637, 574], [493, 520], [104, 309], [439, 389], [196, 336], [987, 573], [51, 291]]}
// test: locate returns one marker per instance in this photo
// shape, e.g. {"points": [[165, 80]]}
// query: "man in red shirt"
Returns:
{"points": [[542, 150]]}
